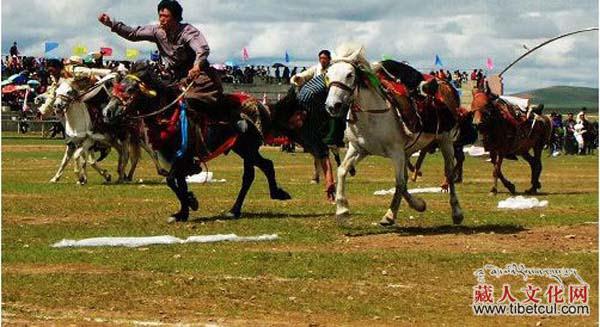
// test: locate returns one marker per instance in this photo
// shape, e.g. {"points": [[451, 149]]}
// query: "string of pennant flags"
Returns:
{"points": [[132, 53], [81, 50]]}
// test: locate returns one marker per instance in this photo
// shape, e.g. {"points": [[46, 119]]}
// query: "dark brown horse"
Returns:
{"points": [[181, 144], [505, 135]]}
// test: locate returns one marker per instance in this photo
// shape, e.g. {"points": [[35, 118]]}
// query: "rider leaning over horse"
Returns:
{"points": [[183, 57]]}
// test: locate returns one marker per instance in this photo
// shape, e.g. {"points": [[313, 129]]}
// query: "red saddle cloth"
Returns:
{"points": [[433, 114]]}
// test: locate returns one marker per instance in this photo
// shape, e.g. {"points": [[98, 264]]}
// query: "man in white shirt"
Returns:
{"points": [[324, 61]]}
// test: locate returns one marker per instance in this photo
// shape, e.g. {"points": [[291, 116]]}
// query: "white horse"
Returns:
{"points": [[78, 129], [375, 128]]}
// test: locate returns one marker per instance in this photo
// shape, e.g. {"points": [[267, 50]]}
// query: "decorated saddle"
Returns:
{"points": [[417, 97]]}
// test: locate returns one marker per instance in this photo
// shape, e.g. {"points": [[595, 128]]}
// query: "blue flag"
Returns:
{"points": [[287, 56], [49, 46], [438, 61]]}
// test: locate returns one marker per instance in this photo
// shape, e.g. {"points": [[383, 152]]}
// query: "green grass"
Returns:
{"points": [[316, 272]]}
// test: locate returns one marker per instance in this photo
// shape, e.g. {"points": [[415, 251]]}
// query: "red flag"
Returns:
{"points": [[107, 52], [489, 64], [245, 55]]}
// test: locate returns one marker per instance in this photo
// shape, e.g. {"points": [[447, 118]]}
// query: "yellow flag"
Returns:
{"points": [[132, 53], [79, 50]]}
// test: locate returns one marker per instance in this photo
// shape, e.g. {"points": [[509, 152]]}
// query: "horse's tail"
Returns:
{"points": [[548, 131]]}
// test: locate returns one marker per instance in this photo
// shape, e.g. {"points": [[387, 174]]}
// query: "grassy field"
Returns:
{"points": [[420, 273]]}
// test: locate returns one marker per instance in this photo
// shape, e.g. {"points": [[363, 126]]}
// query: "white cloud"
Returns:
{"points": [[464, 33]]}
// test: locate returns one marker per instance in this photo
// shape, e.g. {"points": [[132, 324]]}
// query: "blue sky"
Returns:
{"points": [[463, 33]]}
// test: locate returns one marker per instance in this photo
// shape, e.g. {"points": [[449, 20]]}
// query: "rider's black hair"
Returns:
{"points": [[325, 52], [173, 6], [56, 63]]}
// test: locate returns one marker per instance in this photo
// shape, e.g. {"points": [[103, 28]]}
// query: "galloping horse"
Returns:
{"points": [[496, 123], [177, 139], [427, 104], [78, 128], [375, 128], [78, 101]]}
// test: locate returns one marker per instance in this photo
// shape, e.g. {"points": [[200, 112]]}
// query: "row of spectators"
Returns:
{"points": [[458, 78], [574, 135]]}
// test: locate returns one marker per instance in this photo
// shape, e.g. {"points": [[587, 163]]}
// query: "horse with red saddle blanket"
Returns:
{"points": [[427, 105], [507, 134], [184, 137]]}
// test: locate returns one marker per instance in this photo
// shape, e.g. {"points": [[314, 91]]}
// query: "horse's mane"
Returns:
{"points": [[282, 110], [352, 53]]}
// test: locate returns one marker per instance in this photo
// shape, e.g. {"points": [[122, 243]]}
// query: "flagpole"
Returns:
{"points": [[544, 43]]}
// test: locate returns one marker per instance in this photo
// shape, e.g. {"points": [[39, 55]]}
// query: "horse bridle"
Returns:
{"points": [[354, 106]]}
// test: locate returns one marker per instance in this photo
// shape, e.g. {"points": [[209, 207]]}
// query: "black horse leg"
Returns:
{"points": [[459, 155], [247, 180], [535, 162], [178, 185], [266, 166]]}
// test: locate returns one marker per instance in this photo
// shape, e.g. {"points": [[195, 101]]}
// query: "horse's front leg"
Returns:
{"points": [[154, 157], [134, 159], [103, 172], [176, 181], [535, 163], [123, 151], [352, 158], [70, 149], [80, 158], [509, 186], [418, 164], [447, 149]]}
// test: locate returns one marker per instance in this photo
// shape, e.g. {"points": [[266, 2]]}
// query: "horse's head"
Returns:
{"points": [[128, 92], [480, 105], [65, 93], [341, 79]]}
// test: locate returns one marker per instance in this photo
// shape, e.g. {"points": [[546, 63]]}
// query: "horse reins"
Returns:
{"points": [[164, 108]]}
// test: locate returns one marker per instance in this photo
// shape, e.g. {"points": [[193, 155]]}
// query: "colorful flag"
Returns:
{"points": [[287, 56], [49, 46], [79, 50], [489, 63], [245, 55], [438, 61], [131, 53], [107, 52]]}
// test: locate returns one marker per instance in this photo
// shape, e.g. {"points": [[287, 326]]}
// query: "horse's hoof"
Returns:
{"points": [[457, 219], [108, 178], [280, 194], [82, 181], [178, 217], [232, 215], [192, 201], [352, 171], [418, 204], [493, 192], [387, 222], [314, 181], [531, 191], [512, 189], [54, 180]]}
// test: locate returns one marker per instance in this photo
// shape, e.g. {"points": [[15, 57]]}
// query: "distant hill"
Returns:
{"points": [[564, 98]]}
